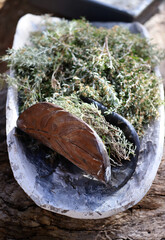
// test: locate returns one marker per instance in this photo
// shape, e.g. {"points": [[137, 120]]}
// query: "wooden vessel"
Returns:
{"points": [[64, 189]]}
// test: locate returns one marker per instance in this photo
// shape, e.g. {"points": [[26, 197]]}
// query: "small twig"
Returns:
{"points": [[108, 52]]}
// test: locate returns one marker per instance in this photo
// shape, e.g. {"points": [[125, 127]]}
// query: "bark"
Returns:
{"points": [[20, 218]]}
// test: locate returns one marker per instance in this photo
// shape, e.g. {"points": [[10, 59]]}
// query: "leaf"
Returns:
{"points": [[69, 136]]}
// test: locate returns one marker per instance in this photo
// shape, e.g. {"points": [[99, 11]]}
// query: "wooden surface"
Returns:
{"points": [[20, 218]]}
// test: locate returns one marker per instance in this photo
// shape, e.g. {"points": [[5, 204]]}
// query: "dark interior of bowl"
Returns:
{"points": [[47, 163]]}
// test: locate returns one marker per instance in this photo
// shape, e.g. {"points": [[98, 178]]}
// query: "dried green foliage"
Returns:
{"points": [[74, 58], [118, 147]]}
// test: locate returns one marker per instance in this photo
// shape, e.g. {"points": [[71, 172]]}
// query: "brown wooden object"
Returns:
{"points": [[67, 135]]}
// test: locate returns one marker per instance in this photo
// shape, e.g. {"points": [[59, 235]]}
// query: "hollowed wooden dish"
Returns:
{"points": [[63, 188]]}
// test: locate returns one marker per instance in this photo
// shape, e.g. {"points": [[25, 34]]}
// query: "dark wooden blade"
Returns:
{"points": [[69, 136]]}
